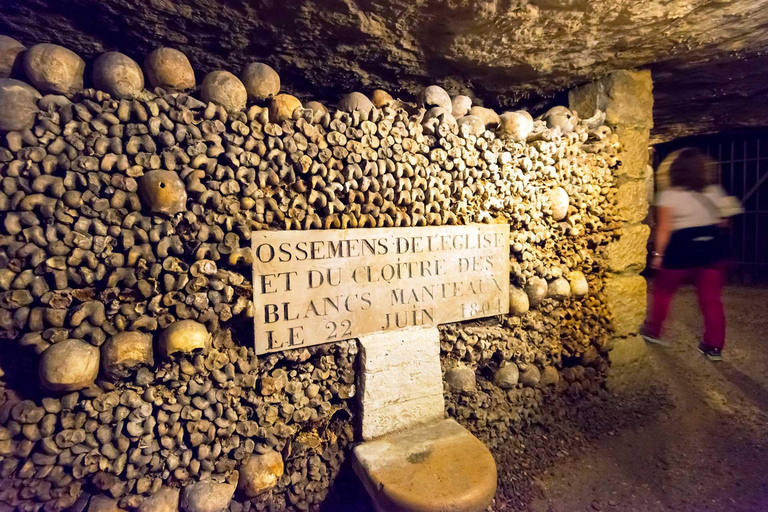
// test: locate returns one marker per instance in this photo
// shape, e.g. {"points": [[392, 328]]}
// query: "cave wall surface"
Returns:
{"points": [[706, 55]]}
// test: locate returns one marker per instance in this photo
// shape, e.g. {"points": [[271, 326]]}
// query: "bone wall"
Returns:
{"points": [[125, 278]]}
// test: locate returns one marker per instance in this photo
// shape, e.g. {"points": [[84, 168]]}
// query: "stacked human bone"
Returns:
{"points": [[125, 268]]}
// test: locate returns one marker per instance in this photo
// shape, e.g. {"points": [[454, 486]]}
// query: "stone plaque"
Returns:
{"points": [[313, 287]]}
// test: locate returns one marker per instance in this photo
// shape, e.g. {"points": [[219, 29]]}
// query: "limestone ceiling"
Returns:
{"points": [[708, 56]]}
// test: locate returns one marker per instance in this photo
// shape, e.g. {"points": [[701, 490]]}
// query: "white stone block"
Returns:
{"points": [[400, 380], [401, 416], [386, 350], [385, 388]]}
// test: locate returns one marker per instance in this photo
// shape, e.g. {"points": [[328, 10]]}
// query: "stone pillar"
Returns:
{"points": [[626, 97]]}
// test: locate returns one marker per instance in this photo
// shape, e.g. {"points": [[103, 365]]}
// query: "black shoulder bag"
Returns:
{"points": [[700, 246]]}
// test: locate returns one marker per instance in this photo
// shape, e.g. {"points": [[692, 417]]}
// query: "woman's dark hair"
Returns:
{"points": [[691, 170]]}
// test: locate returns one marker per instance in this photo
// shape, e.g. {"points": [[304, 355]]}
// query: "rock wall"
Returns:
{"points": [[501, 51], [627, 99], [125, 277]]}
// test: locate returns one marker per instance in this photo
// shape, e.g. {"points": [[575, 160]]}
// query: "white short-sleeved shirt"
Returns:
{"points": [[690, 211]]}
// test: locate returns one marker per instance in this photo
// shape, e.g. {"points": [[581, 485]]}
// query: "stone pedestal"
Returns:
{"points": [[626, 97], [438, 467], [418, 462]]}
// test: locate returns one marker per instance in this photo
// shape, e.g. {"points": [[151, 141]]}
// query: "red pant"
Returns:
{"points": [[709, 285]]}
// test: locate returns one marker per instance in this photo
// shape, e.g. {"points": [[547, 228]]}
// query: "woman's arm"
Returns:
{"points": [[663, 232]]}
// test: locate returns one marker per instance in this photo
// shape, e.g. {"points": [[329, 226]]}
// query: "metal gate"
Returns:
{"points": [[743, 168]]}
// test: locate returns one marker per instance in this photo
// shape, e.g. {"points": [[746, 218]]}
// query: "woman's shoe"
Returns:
{"points": [[652, 339], [712, 353]]}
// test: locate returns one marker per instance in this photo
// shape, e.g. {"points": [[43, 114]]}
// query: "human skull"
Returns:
{"points": [[281, 107], [518, 301], [579, 284], [355, 101], [536, 288], [515, 126], [185, 337], [170, 69], [489, 118], [558, 203], [559, 289], [206, 496], [68, 365], [18, 105], [118, 74], [381, 98], [460, 106], [472, 125], [163, 192], [225, 89], [260, 80], [53, 68], [561, 117], [435, 96], [434, 116], [124, 351], [316, 107], [11, 53], [260, 473]]}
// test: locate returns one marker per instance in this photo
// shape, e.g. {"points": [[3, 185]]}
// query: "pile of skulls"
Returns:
{"points": [[125, 265], [218, 419]]}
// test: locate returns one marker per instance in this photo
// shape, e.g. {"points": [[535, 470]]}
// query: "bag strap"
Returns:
{"points": [[708, 204]]}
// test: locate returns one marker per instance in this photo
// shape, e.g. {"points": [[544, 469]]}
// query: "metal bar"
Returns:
{"points": [[731, 234], [760, 222], [719, 171], [731, 241], [757, 204], [737, 238], [743, 224], [731, 189], [756, 187]]}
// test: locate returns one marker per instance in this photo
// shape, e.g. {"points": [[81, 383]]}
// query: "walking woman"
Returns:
{"points": [[690, 245]]}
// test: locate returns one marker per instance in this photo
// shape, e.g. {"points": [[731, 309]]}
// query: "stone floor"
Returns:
{"points": [[707, 453], [676, 433]]}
